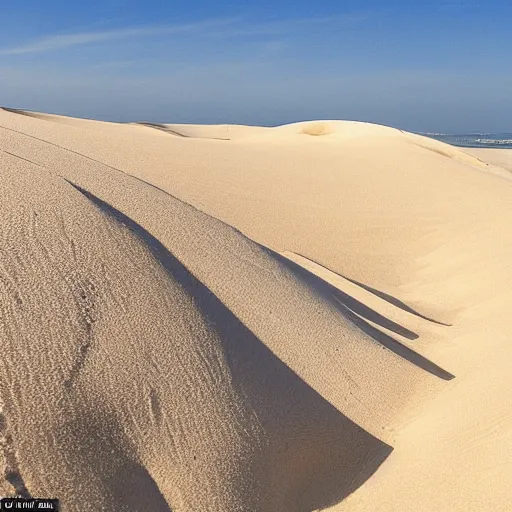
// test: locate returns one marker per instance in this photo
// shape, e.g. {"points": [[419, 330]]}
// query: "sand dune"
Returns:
{"points": [[498, 157], [217, 132], [234, 318]]}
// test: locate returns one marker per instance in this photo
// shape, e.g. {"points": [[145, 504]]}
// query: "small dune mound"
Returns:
{"points": [[336, 128], [317, 129]]}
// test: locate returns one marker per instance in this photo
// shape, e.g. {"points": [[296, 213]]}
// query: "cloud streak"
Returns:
{"points": [[226, 28], [59, 42]]}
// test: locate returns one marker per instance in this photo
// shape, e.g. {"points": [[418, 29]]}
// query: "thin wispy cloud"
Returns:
{"points": [[58, 42], [227, 28]]}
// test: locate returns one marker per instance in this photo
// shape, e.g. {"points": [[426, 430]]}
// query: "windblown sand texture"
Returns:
{"points": [[246, 319]]}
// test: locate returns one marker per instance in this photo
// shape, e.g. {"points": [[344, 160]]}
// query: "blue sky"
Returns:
{"points": [[442, 65]]}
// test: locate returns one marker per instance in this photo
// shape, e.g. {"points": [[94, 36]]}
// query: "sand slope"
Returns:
{"points": [[498, 157], [296, 318]]}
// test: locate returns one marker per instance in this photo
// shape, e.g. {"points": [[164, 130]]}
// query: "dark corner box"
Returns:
{"points": [[19, 504]]}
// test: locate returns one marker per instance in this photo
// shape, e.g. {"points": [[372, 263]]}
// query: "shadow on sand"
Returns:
{"points": [[358, 313], [310, 456], [384, 296]]}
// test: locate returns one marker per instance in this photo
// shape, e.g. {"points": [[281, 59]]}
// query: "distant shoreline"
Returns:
{"points": [[475, 141]]}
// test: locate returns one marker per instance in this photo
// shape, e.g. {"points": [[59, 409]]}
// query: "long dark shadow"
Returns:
{"points": [[164, 128], [345, 299], [20, 112], [356, 312], [370, 314], [399, 349], [340, 456], [384, 296]]}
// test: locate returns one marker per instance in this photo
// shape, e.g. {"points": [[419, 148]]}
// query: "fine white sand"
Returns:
{"points": [[232, 318]]}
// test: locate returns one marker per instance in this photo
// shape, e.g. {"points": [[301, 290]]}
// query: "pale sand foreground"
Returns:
{"points": [[266, 323]]}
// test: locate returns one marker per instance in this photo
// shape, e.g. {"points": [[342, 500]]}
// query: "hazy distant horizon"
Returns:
{"points": [[214, 121]]}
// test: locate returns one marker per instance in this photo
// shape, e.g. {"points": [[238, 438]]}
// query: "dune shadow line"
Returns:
{"points": [[382, 295], [344, 298], [20, 112], [162, 128], [166, 129], [293, 472], [357, 312]]}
